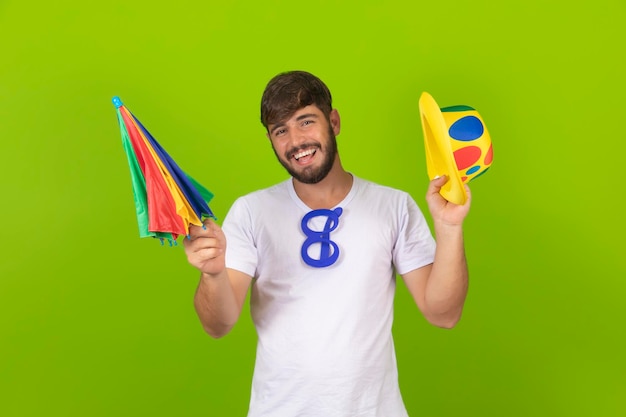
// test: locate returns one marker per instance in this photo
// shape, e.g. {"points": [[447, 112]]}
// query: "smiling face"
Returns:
{"points": [[305, 144]]}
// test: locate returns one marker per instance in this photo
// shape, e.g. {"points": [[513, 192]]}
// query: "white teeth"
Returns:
{"points": [[304, 153]]}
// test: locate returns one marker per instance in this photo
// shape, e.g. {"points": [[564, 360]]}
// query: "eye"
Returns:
{"points": [[307, 122]]}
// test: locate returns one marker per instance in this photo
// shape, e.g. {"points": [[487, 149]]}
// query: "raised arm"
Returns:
{"points": [[440, 289], [221, 292]]}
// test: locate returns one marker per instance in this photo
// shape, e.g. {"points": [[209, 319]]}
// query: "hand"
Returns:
{"points": [[206, 247], [442, 211]]}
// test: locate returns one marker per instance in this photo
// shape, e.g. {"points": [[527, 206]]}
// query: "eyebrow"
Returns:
{"points": [[306, 116], [299, 118]]}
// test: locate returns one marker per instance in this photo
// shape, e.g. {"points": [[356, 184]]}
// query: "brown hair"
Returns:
{"points": [[290, 91]]}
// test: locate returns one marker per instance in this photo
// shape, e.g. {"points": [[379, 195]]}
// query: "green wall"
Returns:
{"points": [[97, 322]]}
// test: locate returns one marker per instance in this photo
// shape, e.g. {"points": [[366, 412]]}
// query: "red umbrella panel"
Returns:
{"points": [[167, 200]]}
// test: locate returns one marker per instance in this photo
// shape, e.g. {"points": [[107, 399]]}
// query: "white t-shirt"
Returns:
{"points": [[325, 346]]}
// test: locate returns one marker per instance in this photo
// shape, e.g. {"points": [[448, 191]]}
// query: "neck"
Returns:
{"points": [[328, 192]]}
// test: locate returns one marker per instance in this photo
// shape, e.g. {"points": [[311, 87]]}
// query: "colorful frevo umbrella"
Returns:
{"points": [[167, 200]]}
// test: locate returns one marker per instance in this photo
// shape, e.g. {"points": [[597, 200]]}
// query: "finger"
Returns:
{"points": [[210, 224], [200, 258], [208, 228], [199, 244], [197, 231], [468, 193], [209, 253], [208, 221], [440, 181], [435, 185], [215, 229]]}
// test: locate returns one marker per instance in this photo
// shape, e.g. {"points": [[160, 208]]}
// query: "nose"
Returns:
{"points": [[297, 138]]}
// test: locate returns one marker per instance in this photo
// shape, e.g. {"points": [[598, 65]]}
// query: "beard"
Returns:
{"points": [[312, 175]]}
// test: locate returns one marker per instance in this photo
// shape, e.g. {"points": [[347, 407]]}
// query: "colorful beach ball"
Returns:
{"points": [[457, 144]]}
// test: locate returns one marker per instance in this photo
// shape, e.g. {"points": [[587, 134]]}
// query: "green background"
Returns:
{"points": [[97, 322]]}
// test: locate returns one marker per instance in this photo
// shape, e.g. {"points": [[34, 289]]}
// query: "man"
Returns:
{"points": [[320, 252]]}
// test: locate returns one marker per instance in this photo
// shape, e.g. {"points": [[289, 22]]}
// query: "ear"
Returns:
{"points": [[335, 121]]}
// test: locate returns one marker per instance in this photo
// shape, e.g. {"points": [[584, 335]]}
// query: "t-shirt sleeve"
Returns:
{"points": [[241, 251], [415, 245]]}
